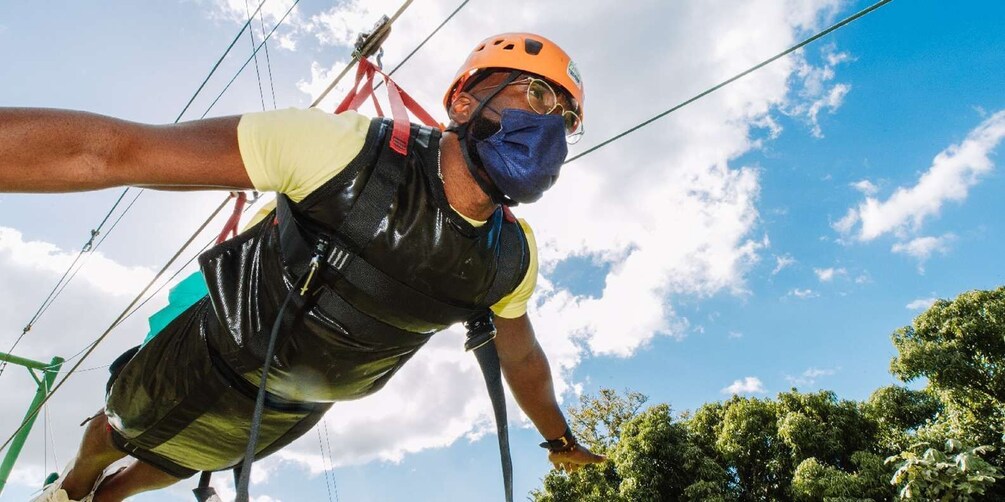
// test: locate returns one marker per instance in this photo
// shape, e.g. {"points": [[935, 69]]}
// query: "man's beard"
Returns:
{"points": [[481, 127]]}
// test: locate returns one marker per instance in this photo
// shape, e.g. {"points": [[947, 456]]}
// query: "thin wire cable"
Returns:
{"points": [[331, 458], [356, 56], [258, 72], [33, 412], [734, 78], [45, 432], [57, 289], [268, 62], [98, 244], [217, 65], [239, 71], [324, 463], [423, 43], [150, 297]]}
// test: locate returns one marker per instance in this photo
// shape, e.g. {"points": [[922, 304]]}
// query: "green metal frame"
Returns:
{"points": [[48, 375]]}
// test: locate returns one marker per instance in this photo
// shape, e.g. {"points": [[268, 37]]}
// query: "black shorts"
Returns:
{"points": [[174, 405]]}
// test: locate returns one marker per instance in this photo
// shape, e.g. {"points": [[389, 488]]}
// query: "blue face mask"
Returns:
{"points": [[525, 156]]}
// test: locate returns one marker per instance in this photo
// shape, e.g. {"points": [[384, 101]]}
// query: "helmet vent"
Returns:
{"points": [[497, 42], [533, 47], [480, 48], [509, 47]]}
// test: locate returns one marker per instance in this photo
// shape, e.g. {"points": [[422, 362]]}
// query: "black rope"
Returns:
{"points": [[734, 78], [256, 417]]}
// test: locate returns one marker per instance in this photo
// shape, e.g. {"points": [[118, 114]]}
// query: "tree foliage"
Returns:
{"points": [[955, 473], [813, 446]]}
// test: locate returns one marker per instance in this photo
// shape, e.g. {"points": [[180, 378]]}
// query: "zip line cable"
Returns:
{"points": [[324, 462], [219, 61], [126, 313], [34, 411], [241, 69], [96, 245], [357, 54], [57, 289], [331, 458], [423, 43], [90, 246], [268, 62], [734, 78], [258, 71], [150, 296]]}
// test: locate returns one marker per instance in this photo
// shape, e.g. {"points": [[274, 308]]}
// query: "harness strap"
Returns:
{"points": [[204, 492], [401, 104], [481, 340]]}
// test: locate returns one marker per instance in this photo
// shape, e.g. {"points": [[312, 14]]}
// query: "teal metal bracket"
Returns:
{"points": [[44, 375]]}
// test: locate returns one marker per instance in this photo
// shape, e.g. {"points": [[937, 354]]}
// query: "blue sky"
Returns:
{"points": [[711, 252]]}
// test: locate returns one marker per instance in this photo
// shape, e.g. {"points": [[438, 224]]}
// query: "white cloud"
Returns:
{"points": [[953, 172], [921, 303], [683, 223], [828, 274], [867, 187], [803, 294], [922, 248], [82, 312], [748, 385], [809, 377], [272, 11], [734, 335], [815, 96], [782, 262]]}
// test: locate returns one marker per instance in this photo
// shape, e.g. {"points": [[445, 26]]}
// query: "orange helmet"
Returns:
{"points": [[525, 52]]}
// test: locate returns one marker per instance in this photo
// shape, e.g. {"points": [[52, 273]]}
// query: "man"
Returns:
{"points": [[377, 243]]}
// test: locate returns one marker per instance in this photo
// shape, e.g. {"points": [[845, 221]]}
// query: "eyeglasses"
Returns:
{"points": [[543, 99]]}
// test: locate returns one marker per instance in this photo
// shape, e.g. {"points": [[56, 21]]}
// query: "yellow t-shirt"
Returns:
{"points": [[295, 152]]}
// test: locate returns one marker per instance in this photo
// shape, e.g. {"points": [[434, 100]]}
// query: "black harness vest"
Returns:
{"points": [[397, 265]]}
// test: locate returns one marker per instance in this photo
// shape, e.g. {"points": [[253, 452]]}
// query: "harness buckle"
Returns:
{"points": [[319, 250]]}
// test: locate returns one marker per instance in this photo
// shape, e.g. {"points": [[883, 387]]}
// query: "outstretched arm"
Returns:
{"points": [[45, 150], [526, 369]]}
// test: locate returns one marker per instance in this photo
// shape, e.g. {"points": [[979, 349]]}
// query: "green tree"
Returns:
{"points": [[657, 459], [597, 422], [959, 347], [748, 442], [899, 413], [956, 473]]}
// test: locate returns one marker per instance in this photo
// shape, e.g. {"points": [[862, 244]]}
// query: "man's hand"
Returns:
{"points": [[572, 460]]}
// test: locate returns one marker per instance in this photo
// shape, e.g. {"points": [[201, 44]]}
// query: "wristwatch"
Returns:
{"points": [[563, 444]]}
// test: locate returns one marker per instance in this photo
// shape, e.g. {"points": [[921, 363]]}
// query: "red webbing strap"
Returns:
{"points": [[401, 104], [235, 218]]}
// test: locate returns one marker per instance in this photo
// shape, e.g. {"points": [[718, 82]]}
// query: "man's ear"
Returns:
{"points": [[462, 107]]}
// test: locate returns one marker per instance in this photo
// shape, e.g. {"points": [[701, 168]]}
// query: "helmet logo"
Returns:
{"points": [[574, 74]]}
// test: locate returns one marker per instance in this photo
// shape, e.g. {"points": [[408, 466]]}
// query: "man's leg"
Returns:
{"points": [[138, 477], [95, 454]]}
